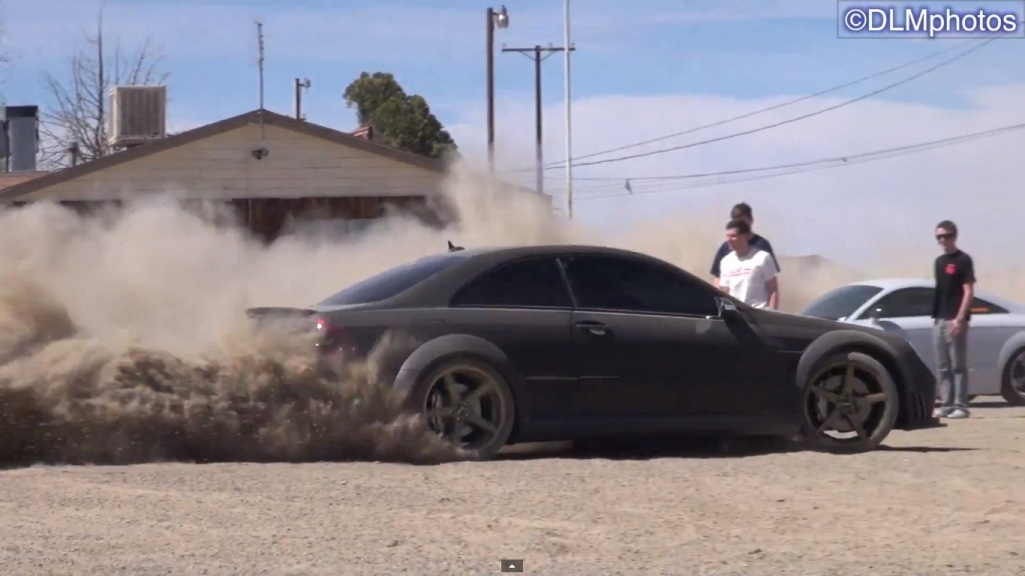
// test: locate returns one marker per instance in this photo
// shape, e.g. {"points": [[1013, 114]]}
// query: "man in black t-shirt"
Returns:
{"points": [[743, 212], [951, 312]]}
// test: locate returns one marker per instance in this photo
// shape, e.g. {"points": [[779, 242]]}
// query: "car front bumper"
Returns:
{"points": [[919, 394]]}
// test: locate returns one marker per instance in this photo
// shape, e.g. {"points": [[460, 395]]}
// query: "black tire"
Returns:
{"points": [[1013, 377], [867, 400], [497, 406]]}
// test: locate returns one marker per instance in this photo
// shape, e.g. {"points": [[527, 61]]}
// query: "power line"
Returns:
{"points": [[843, 104], [774, 107], [802, 167], [808, 166], [538, 54]]}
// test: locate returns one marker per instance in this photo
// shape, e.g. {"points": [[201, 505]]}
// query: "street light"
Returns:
{"points": [[495, 19]]}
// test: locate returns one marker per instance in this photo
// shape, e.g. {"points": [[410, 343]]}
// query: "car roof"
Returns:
{"points": [[489, 255], [893, 283], [540, 249], [889, 284], [438, 288]]}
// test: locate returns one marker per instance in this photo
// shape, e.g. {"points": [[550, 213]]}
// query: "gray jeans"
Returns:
{"points": [[951, 364]]}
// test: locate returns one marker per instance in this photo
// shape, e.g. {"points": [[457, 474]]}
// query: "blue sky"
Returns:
{"points": [[736, 48], [642, 69]]}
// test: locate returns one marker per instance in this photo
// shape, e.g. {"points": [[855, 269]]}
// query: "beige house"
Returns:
{"points": [[259, 154], [268, 165]]}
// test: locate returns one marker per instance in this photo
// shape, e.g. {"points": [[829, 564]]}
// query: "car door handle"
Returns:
{"points": [[594, 328]]}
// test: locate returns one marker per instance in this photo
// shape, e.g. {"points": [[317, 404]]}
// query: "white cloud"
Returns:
{"points": [[857, 213]]}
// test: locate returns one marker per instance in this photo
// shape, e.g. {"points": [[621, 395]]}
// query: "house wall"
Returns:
{"points": [[222, 167], [268, 218]]}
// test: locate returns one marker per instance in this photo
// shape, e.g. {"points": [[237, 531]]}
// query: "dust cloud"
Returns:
{"points": [[123, 338]]}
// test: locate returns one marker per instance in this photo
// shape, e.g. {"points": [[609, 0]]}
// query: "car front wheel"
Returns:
{"points": [[849, 404]]}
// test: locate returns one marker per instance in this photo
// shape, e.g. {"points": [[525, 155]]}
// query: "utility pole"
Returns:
{"points": [[259, 40], [538, 54], [250, 217], [567, 42], [299, 85]]}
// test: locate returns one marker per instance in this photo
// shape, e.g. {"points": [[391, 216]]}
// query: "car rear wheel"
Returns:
{"points": [[849, 405], [1013, 386], [468, 403]]}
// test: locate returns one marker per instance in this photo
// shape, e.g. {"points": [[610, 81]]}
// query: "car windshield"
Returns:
{"points": [[392, 282], [841, 302]]}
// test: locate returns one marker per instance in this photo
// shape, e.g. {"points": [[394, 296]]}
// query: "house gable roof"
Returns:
{"points": [[269, 118], [8, 179]]}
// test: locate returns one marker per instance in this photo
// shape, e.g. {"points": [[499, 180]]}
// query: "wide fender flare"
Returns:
{"points": [[1012, 345], [892, 327], [431, 353], [831, 341]]}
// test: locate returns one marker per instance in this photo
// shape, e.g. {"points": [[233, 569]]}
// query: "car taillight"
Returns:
{"points": [[332, 336]]}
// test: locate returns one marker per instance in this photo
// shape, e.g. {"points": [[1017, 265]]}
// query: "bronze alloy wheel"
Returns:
{"points": [[469, 404], [850, 404]]}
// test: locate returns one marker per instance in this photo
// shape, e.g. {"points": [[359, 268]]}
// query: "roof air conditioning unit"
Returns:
{"points": [[138, 114]]}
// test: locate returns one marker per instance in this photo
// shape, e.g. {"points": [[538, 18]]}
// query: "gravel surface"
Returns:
{"points": [[933, 502]]}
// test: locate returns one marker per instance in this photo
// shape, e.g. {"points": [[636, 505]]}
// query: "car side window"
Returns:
{"points": [[905, 302], [528, 283], [631, 285], [393, 281]]}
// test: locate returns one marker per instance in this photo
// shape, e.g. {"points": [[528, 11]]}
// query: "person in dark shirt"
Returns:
{"points": [[743, 212], [951, 313]]}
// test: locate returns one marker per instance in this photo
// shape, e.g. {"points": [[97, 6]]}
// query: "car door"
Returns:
{"points": [[524, 308], [659, 330], [910, 309]]}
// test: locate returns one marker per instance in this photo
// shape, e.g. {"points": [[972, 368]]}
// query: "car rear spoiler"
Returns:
{"points": [[279, 312]]}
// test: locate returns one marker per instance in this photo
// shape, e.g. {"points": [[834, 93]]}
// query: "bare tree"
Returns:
{"points": [[77, 116]]}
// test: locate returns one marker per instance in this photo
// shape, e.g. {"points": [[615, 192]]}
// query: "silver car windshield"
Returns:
{"points": [[840, 303]]}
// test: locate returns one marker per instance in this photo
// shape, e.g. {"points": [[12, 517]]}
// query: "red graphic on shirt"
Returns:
{"points": [[747, 271], [951, 269]]}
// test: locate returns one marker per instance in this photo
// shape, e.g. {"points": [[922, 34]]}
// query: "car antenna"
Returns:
{"points": [[453, 248]]}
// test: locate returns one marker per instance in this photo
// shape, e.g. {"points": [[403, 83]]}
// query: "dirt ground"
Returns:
{"points": [[934, 502]]}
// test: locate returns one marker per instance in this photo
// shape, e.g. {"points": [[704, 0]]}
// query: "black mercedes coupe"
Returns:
{"points": [[544, 343]]}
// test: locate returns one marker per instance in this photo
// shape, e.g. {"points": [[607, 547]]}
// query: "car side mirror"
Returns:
{"points": [[875, 314], [727, 309]]}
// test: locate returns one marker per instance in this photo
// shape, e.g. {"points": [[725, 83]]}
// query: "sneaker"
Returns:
{"points": [[958, 413], [940, 412]]}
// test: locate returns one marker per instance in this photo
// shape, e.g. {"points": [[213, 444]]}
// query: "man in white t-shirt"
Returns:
{"points": [[748, 273]]}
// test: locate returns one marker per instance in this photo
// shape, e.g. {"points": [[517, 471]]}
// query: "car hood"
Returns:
{"points": [[800, 321], [797, 331]]}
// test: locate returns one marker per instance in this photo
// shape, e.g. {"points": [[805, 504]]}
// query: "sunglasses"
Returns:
{"points": [[947, 236]]}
